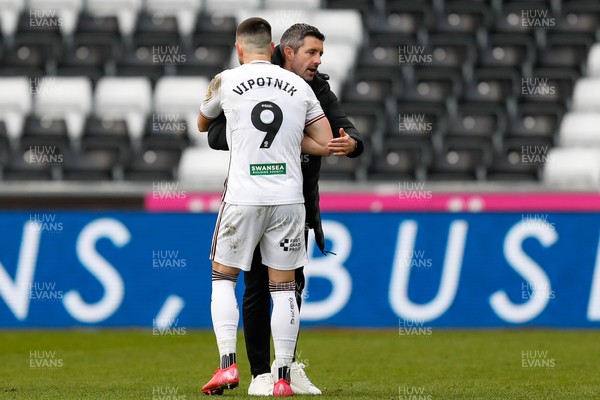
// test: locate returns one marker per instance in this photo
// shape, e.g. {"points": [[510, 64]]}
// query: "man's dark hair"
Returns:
{"points": [[255, 32], [295, 34]]}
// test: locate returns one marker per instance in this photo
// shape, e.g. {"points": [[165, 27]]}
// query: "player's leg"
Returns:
{"points": [[225, 318], [256, 311], [299, 380], [236, 235], [283, 250], [285, 321]]}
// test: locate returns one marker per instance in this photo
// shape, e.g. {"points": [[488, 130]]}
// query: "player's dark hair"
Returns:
{"points": [[255, 32], [295, 34]]}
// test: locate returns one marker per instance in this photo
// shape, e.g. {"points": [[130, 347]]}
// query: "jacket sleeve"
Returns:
{"points": [[338, 119], [217, 138]]}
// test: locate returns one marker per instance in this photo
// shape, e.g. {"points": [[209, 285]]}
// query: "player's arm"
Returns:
{"points": [[217, 136], [203, 122], [317, 137], [347, 140], [211, 106]]}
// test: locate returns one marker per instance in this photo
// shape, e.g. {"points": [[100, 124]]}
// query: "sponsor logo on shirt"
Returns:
{"points": [[268, 169]]}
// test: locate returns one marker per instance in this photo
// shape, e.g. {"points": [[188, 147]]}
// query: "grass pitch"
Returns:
{"points": [[135, 364]]}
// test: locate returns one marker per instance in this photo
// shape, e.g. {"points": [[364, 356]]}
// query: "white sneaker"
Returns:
{"points": [[298, 379], [262, 385]]}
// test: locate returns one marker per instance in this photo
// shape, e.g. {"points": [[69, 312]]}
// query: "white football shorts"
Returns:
{"points": [[278, 228]]}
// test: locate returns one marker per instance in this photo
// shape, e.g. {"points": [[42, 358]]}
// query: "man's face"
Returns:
{"points": [[308, 58]]}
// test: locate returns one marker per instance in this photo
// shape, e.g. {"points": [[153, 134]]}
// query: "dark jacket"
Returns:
{"points": [[311, 165]]}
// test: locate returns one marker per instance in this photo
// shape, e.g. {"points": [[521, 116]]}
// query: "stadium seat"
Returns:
{"points": [[511, 19], [94, 165], [24, 60], [391, 27], [580, 129], [186, 12], [564, 51], [448, 51], [508, 165], [124, 98], [456, 162], [46, 133], [107, 135], [15, 104], [5, 147], [66, 10], [9, 16], [491, 85], [181, 97], [126, 12], [535, 121], [167, 132], [339, 168], [593, 62], [399, 164], [152, 165], [292, 4], [68, 98], [23, 166], [367, 91], [483, 124], [205, 58], [586, 95], [578, 17], [43, 31], [573, 166], [340, 26], [514, 51], [330, 60], [217, 30], [204, 166], [230, 7], [156, 30], [364, 6], [463, 17]]}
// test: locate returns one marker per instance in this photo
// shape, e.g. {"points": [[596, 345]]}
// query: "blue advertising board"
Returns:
{"points": [[128, 269]]}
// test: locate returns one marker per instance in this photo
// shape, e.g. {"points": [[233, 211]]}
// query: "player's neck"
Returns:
{"points": [[257, 57]]}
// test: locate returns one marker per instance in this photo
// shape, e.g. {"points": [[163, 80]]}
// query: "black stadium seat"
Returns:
{"points": [[153, 165]]}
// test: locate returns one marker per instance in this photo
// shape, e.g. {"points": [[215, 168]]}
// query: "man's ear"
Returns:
{"points": [[240, 51], [288, 52], [272, 48]]}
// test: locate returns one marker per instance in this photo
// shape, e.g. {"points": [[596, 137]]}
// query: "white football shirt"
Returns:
{"points": [[267, 108]]}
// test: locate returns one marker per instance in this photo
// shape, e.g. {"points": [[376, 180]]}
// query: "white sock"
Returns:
{"points": [[225, 316], [285, 322]]}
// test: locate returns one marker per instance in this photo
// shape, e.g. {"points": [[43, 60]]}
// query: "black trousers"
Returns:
{"points": [[256, 312]]}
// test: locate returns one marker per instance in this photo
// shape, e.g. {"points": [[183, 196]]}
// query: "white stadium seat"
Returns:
{"points": [[593, 62], [15, 104], [126, 11], [293, 4], [330, 61], [184, 10], [339, 26], [279, 19], [127, 98], [578, 129], [204, 166], [9, 15], [67, 98], [586, 95], [230, 7], [67, 11], [182, 95], [573, 167]]}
